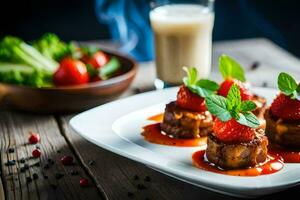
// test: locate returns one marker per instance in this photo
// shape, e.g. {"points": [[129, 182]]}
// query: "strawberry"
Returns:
{"points": [[286, 108], [189, 100], [226, 85], [233, 132]]}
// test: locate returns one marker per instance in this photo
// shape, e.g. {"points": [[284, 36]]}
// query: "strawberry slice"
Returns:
{"points": [[189, 100], [233, 132], [226, 85], [286, 108]]}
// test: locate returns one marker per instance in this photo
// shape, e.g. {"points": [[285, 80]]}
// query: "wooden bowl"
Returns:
{"points": [[69, 98]]}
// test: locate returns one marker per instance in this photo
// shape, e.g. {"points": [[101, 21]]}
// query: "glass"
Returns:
{"points": [[182, 37]]}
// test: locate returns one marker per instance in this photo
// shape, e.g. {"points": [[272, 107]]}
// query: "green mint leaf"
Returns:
{"points": [[298, 88], [186, 81], [295, 95], [248, 119], [229, 68], [200, 91], [192, 76], [208, 84], [235, 114], [216, 105], [204, 87], [201, 87], [247, 106], [233, 100], [286, 83]]}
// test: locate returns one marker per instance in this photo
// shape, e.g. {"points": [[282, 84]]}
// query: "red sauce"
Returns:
{"points": [[272, 165], [152, 133], [288, 156], [157, 118]]}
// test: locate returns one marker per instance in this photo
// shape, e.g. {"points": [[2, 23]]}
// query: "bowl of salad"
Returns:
{"points": [[49, 75]]}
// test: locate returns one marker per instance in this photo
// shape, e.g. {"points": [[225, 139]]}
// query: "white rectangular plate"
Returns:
{"points": [[117, 127]]}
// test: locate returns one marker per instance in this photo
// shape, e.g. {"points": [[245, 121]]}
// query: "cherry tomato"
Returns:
{"points": [[71, 72], [98, 59]]}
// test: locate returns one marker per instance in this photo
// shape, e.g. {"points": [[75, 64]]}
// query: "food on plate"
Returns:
{"points": [[283, 116], [182, 123], [233, 73], [49, 62], [236, 140], [237, 146], [185, 121], [283, 119], [188, 117]]}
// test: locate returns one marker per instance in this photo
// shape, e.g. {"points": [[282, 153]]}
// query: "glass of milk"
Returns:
{"points": [[183, 37]]}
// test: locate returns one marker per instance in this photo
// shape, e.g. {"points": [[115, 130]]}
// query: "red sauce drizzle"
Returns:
{"points": [[289, 156], [272, 165], [152, 133], [157, 118]]}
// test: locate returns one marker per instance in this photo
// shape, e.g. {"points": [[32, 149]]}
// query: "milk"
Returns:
{"points": [[183, 37]]}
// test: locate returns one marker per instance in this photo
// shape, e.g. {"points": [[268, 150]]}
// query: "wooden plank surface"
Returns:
{"points": [[15, 128], [112, 176]]}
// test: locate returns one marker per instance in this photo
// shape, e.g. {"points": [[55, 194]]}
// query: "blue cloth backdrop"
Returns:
{"points": [[128, 22]]}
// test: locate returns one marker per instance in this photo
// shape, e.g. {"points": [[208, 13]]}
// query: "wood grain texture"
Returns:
{"points": [[14, 130]]}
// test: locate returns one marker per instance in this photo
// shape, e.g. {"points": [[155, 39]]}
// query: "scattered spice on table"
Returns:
{"points": [[265, 84], [22, 170], [46, 166], [28, 179], [74, 172], [255, 65], [37, 164], [130, 194], [50, 161], [10, 162], [53, 186], [11, 150], [59, 175], [136, 177], [147, 179], [26, 166], [35, 176], [91, 162], [141, 187], [22, 160]]}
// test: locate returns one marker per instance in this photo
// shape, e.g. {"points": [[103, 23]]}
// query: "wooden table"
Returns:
{"points": [[111, 176]]}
